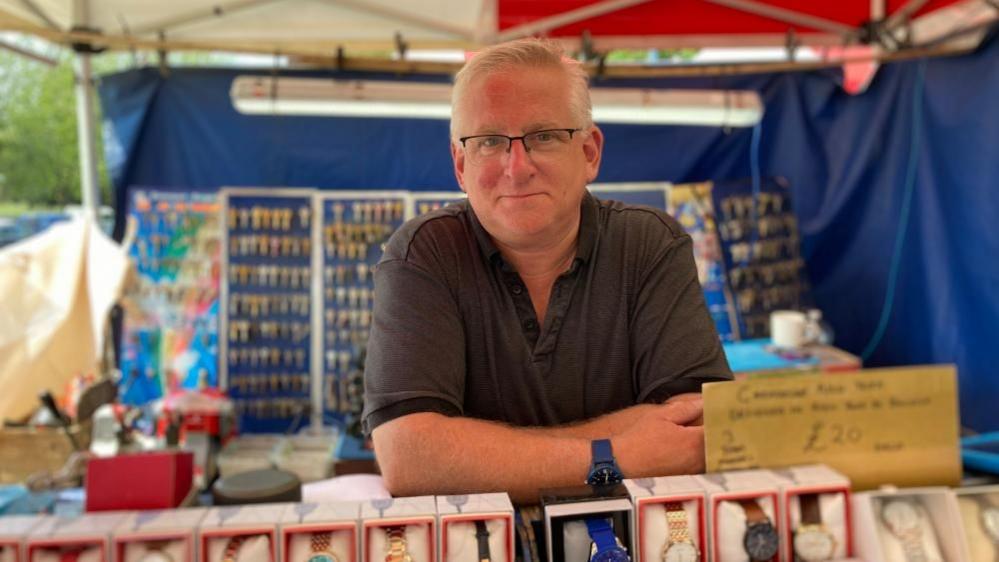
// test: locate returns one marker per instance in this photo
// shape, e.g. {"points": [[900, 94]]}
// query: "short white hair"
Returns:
{"points": [[531, 53]]}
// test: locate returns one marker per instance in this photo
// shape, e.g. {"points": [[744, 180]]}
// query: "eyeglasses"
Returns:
{"points": [[484, 147]]}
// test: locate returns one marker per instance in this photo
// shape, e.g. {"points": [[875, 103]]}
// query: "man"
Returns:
{"points": [[522, 337]]}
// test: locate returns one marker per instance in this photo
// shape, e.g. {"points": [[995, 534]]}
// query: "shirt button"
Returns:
{"points": [[516, 289], [530, 324]]}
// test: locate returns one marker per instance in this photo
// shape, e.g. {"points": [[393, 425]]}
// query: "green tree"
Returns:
{"points": [[39, 157]]}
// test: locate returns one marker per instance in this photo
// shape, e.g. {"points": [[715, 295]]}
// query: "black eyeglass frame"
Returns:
{"points": [[509, 145]]}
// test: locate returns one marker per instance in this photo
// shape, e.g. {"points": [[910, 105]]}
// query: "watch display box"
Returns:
{"points": [[123, 481], [167, 531], [399, 526], [744, 516], [896, 525], [89, 535], [815, 500], [669, 520], [246, 532], [567, 512], [13, 530], [474, 527], [310, 531], [979, 507]]}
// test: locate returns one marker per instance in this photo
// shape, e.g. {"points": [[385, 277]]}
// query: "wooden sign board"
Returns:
{"points": [[894, 426]]}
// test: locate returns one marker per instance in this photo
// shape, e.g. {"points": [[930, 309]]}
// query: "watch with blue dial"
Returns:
{"points": [[606, 547], [603, 468]]}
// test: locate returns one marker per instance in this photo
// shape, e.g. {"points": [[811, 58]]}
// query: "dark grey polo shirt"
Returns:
{"points": [[454, 330]]}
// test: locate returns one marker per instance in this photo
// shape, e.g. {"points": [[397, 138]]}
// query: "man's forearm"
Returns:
{"points": [[603, 427], [433, 454]]}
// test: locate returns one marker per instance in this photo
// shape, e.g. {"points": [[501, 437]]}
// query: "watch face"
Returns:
{"points": [[990, 520], [761, 542], [603, 476], [321, 557], [900, 516], [616, 554], [681, 552], [814, 543]]}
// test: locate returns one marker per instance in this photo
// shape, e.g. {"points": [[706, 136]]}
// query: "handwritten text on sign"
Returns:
{"points": [[879, 426]]}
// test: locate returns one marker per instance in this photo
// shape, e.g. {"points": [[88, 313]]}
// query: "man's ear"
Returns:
{"points": [[593, 148], [458, 157]]}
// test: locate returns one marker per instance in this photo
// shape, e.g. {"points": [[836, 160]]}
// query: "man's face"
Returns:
{"points": [[521, 196]]}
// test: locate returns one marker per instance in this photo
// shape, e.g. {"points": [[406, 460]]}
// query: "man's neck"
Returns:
{"points": [[542, 260]]}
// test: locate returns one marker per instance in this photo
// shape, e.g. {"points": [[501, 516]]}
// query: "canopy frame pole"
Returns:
{"points": [[84, 85]]}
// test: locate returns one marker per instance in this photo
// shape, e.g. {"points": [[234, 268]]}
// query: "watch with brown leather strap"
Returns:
{"points": [[761, 540], [232, 548], [812, 540]]}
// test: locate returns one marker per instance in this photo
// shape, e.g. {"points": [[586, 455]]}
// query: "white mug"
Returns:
{"points": [[789, 329]]}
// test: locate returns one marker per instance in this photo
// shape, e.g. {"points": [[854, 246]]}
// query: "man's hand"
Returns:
{"points": [[666, 440], [690, 397]]}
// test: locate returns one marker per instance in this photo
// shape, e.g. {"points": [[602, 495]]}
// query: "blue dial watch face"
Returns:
{"points": [[603, 476], [616, 554], [321, 558], [761, 542]]}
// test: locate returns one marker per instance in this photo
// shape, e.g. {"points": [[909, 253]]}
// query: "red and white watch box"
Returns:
{"points": [[815, 496], [891, 522], [417, 518], [667, 507], [13, 531], [737, 500], [88, 536], [462, 516], [247, 530], [313, 527], [171, 531]]}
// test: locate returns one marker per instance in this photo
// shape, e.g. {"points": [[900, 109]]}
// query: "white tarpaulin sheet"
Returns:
{"points": [[56, 288]]}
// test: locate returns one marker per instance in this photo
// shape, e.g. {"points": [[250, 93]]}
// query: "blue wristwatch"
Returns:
{"points": [[603, 470], [606, 547]]}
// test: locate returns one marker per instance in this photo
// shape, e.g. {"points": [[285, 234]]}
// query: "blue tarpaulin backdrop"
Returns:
{"points": [[847, 158]]}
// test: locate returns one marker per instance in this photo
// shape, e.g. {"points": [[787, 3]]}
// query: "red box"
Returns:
{"points": [[154, 480]]}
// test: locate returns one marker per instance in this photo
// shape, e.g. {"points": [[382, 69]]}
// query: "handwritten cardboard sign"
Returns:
{"points": [[878, 426]]}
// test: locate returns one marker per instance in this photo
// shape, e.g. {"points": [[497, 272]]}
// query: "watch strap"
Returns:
{"points": [[602, 451], [398, 550], [232, 548], [71, 555], [482, 537], [320, 542], [601, 533], [676, 523], [754, 513], [811, 512]]}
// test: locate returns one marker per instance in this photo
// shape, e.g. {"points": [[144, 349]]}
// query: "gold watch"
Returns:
{"points": [[397, 548], [679, 547]]}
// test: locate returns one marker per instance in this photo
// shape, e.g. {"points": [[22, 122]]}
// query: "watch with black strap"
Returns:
{"points": [[812, 540], [761, 540], [604, 470], [482, 537]]}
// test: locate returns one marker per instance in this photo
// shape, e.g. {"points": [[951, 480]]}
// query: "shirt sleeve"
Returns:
{"points": [[675, 345], [416, 350]]}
